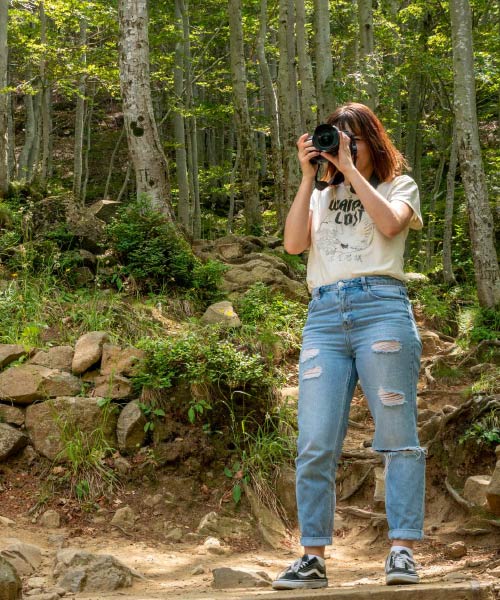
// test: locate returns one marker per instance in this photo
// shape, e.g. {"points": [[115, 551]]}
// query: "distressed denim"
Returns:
{"points": [[364, 329]]}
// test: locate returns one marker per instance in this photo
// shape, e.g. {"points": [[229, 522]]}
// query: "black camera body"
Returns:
{"points": [[326, 138]]}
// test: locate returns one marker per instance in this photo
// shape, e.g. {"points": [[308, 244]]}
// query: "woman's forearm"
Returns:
{"points": [[297, 237]]}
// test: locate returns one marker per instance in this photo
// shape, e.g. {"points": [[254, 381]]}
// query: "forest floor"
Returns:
{"points": [[354, 563]]}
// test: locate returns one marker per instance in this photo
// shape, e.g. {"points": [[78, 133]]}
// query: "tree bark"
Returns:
{"points": [[486, 267], [323, 57], [249, 171], [45, 106], [80, 116], [145, 150], [448, 274], [4, 100], [366, 50], [307, 92]]}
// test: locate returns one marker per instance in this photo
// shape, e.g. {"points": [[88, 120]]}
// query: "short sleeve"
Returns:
{"points": [[405, 190], [313, 203]]}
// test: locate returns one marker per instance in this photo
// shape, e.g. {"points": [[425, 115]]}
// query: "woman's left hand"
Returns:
{"points": [[343, 161]]}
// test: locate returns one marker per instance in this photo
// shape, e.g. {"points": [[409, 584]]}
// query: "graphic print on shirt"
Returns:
{"points": [[346, 232]]}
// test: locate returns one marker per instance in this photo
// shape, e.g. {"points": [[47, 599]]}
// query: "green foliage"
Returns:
{"points": [[486, 431], [151, 413]]}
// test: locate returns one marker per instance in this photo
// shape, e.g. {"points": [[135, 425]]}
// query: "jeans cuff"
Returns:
{"points": [[316, 541], [406, 534]]}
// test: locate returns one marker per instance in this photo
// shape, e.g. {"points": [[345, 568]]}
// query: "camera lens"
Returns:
{"points": [[326, 138]]}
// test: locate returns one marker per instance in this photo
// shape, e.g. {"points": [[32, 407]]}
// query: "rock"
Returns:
{"points": [[113, 386], [45, 596], [285, 491], [270, 525], [289, 394], [122, 465], [379, 493], [78, 571], [36, 582], [9, 353], [11, 440], [175, 535], [152, 501], [455, 551], [88, 351], [25, 558], [225, 527], [50, 519], [475, 489], [10, 584], [130, 428], [58, 357], [27, 383], [124, 517], [106, 210], [428, 430], [11, 415], [120, 361], [213, 546], [425, 415], [198, 570], [339, 522], [493, 490], [45, 422], [231, 251], [221, 313], [6, 522], [225, 577], [431, 342]]}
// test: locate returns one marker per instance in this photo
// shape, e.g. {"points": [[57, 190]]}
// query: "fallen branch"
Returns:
{"points": [[356, 425], [359, 512], [357, 486], [476, 348], [367, 455], [456, 496]]}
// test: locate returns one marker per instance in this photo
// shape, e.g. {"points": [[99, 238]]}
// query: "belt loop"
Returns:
{"points": [[364, 283]]}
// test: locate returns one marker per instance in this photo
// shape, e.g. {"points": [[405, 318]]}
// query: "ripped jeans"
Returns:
{"points": [[364, 329]]}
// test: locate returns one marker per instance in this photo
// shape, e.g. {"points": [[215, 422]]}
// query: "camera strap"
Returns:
{"points": [[338, 178]]}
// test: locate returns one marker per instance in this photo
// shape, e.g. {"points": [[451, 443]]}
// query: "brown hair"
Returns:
{"points": [[387, 160]]}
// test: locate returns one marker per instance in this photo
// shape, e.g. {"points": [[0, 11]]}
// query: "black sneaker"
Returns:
{"points": [[400, 568], [305, 573]]}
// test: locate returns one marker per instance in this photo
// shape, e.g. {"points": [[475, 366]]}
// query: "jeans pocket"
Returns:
{"points": [[387, 292]]}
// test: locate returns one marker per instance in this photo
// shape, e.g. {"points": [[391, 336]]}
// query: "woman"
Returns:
{"points": [[360, 326]]}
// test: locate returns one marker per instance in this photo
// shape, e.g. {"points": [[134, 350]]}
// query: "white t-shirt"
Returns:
{"points": [[345, 243]]}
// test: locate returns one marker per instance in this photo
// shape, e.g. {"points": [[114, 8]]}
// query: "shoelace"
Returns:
{"points": [[401, 561], [297, 564]]}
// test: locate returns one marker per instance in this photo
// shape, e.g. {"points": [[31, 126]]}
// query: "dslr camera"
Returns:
{"points": [[326, 138]]}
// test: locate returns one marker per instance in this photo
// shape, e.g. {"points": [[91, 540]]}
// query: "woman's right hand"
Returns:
{"points": [[305, 153]]}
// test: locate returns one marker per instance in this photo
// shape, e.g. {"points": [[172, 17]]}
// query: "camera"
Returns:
{"points": [[326, 138]]}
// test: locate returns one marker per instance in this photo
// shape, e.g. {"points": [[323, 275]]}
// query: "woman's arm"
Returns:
{"points": [[297, 236]]}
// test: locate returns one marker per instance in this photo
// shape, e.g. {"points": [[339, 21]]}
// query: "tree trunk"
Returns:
{"points": [[366, 50], [45, 106], [249, 171], [178, 119], [323, 57], [270, 101], [431, 215], [80, 117], [25, 164], [145, 150], [4, 100], [448, 274], [307, 92], [486, 267]]}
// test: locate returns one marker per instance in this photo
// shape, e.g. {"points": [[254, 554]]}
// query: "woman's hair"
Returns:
{"points": [[387, 160]]}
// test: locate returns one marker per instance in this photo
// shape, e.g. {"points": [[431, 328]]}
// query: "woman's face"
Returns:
{"points": [[364, 160]]}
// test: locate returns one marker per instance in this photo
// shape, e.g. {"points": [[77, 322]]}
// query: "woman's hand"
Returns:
{"points": [[305, 153], [343, 161]]}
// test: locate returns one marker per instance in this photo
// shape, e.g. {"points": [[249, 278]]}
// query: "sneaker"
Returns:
{"points": [[400, 568], [305, 573]]}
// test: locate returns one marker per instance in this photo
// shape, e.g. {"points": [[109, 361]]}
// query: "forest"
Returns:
{"points": [[148, 161]]}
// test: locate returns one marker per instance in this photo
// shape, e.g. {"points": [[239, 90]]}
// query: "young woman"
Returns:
{"points": [[360, 326]]}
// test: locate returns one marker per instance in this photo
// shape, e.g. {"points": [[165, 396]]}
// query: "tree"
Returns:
{"points": [[323, 59], [486, 267], [4, 100], [366, 49], [144, 145]]}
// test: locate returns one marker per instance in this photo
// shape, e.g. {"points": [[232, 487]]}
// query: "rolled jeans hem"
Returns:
{"points": [[406, 534], [316, 541]]}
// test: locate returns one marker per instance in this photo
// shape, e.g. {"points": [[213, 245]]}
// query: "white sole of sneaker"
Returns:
{"points": [[401, 579], [281, 584]]}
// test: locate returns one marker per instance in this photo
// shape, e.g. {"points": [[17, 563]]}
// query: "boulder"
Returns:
{"points": [[9, 353], [120, 361], [285, 491], [10, 584], [269, 524], [58, 357], [47, 421], [221, 313], [475, 489], [455, 551], [88, 351], [11, 415], [431, 342], [78, 571], [231, 250], [25, 558], [226, 577], [50, 519], [11, 440], [27, 383], [493, 489], [130, 428], [379, 493], [106, 210], [124, 517], [113, 386], [216, 525]]}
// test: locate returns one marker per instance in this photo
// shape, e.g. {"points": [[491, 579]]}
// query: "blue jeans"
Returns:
{"points": [[359, 328]]}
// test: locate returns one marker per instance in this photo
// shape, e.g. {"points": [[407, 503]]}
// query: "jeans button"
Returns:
{"points": [[341, 284]]}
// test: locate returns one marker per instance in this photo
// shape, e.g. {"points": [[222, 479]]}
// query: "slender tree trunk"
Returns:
{"points": [[25, 166], [145, 150], [249, 170], [80, 116], [178, 119], [366, 48], [270, 102], [307, 91], [323, 57], [448, 274], [480, 215], [45, 106], [431, 215], [4, 101], [86, 173], [112, 163]]}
